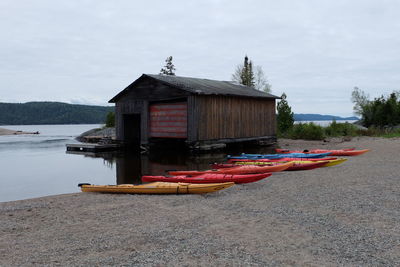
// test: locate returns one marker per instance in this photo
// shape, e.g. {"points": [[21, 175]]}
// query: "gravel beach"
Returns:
{"points": [[346, 215]]}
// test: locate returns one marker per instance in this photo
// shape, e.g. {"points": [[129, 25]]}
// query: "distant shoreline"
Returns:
{"points": [[4, 131]]}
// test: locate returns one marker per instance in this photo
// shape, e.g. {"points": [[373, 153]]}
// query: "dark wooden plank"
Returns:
{"points": [[191, 132], [144, 127]]}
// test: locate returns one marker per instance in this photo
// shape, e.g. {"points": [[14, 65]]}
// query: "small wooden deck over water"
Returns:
{"points": [[94, 148]]}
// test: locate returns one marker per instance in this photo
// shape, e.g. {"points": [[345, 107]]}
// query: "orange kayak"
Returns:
{"points": [[239, 169], [156, 188]]}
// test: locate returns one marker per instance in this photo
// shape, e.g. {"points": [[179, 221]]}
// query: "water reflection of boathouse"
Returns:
{"points": [[203, 113], [130, 167]]}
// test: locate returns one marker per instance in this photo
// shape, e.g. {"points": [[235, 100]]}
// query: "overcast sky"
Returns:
{"points": [[87, 51]]}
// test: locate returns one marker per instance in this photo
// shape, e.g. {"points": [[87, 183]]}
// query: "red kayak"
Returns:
{"points": [[334, 152], [283, 150], [295, 167], [307, 166], [239, 170], [279, 160], [208, 178]]}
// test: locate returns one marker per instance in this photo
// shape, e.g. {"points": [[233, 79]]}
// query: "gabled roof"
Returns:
{"points": [[201, 86]]}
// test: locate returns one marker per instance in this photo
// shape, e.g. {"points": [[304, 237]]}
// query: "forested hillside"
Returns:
{"points": [[51, 113]]}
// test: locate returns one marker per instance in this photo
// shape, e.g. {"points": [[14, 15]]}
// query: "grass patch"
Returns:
{"points": [[379, 132], [391, 135]]}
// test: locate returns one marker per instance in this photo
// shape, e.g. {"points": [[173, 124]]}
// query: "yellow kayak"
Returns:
{"points": [[334, 162], [157, 188]]}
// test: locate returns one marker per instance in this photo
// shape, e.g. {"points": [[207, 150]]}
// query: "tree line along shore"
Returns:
{"points": [[44, 112]]}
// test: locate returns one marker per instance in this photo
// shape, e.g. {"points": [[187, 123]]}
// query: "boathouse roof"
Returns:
{"points": [[199, 86]]}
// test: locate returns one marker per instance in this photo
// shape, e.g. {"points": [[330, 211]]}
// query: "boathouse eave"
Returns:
{"points": [[138, 81], [182, 88], [123, 92]]}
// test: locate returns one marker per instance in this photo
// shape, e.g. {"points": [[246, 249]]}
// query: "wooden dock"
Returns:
{"points": [[94, 148]]}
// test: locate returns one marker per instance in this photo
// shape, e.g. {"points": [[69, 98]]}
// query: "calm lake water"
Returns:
{"points": [[38, 165]]}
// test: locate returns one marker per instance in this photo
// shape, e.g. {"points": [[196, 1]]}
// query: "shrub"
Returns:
{"points": [[306, 131], [341, 129], [311, 131], [110, 119]]}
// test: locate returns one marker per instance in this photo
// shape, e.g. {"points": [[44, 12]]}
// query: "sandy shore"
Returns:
{"points": [[347, 215], [4, 131]]}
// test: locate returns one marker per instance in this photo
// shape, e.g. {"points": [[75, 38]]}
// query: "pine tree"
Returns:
{"points": [[244, 74], [285, 115], [244, 71], [169, 68]]}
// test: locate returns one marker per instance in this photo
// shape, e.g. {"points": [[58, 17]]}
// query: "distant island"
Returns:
{"points": [[14, 132], [319, 117], [51, 113]]}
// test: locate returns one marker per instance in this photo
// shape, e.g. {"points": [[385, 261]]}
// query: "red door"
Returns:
{"points": [[168, 120]]}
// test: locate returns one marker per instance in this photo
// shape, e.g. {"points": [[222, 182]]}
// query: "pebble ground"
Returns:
{"points": [[347, 215]]}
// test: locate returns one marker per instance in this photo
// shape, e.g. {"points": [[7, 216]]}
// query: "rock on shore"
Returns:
{"points": [[97, 133]]}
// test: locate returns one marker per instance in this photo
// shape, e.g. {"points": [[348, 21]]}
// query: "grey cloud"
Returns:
{"points": [[86, 51]]}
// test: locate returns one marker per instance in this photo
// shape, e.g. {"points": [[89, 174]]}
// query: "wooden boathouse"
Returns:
{"points": [[203, 113]]}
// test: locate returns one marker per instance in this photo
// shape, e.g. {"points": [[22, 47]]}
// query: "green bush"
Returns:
{"points": [[371, 131], [306, 131], [110, 119], [341, 129]]}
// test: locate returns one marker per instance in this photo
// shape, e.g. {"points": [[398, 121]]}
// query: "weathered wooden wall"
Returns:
{"points": [[220, 117]]}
